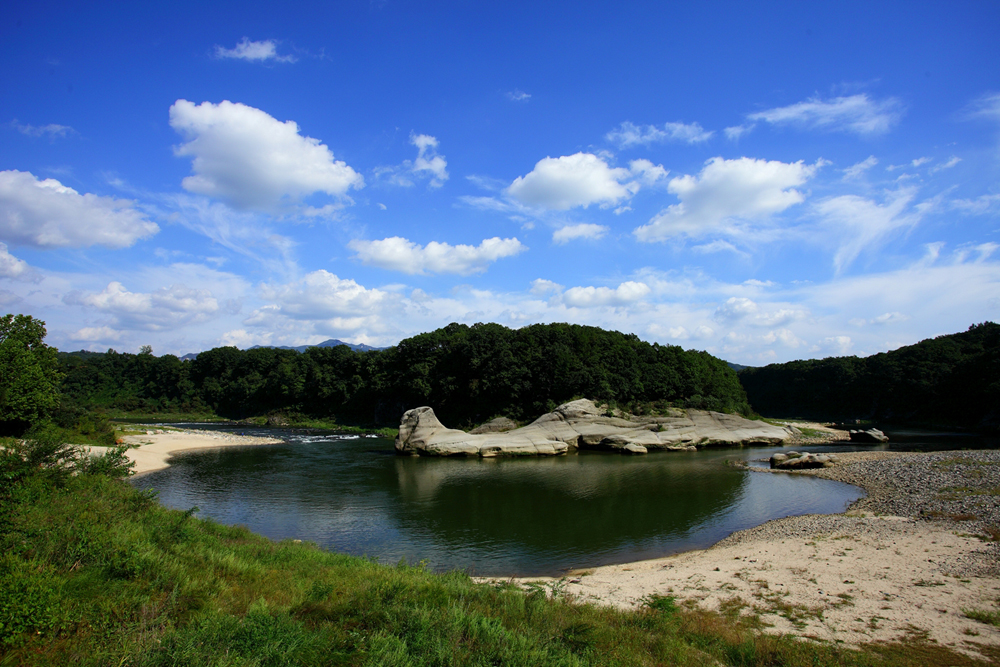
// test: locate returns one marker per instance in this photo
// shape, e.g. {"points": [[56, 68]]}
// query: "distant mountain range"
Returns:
{"points": [[332, 342]]}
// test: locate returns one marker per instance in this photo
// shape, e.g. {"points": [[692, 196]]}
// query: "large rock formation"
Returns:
{"points": [[581, 424]]}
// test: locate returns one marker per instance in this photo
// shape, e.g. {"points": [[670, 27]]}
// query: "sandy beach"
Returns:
{"points": [[152, 450], [905, 562]]}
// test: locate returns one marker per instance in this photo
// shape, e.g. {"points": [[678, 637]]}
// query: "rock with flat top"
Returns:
{"points": [[872, 435], [581, 424]]}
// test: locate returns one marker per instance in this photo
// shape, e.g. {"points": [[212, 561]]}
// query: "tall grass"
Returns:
{"points": [[94, 572]]}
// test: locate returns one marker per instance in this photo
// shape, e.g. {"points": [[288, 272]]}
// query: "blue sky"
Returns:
{"points": [[765, 181]]}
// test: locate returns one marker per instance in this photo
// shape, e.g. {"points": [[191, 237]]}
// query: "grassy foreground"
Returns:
{"points": [[94, 572]]}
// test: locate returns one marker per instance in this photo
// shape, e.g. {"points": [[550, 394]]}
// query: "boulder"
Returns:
{"points": [[872, 435], [498, 425], [797, 461], [581, 424]]}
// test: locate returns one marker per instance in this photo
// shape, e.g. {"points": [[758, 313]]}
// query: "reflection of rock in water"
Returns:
{"points": [[585, 503], [581, 424]]}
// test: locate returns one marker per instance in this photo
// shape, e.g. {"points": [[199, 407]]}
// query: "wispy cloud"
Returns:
{"points": [[52, 130], [629, 134], [858, 114], [254, 52]]}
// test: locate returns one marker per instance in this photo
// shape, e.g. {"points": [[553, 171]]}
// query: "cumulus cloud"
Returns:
{"points": [[647, 172], [96, 334], [541, 286], [629, 134], [254, 51], [860, 224], [725, 192], [518, 96], [12, 267], [860, 168], [251, 160], [163, 309], [321, 295], [428, 162], [581, 231], [52, 130], [742, 309], [48, 214], [574, 180], [858, 114], [591, 297], [399, 254]]}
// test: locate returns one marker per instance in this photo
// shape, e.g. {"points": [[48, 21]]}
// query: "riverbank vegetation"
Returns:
{"points": [[94, 572], [468, 374], [948, 380]]}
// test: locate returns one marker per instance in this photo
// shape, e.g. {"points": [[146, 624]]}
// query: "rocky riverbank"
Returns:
{"points": [[910, 561]]}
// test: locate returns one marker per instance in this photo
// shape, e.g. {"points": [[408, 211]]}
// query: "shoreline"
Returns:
{"points": [[902, 563], [153, 450]]}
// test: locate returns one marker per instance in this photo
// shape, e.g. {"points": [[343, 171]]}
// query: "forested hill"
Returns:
{"points": [[466, 373], [953, 379]]}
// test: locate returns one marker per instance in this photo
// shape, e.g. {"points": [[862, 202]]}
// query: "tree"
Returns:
{"points": [[29, 375]]}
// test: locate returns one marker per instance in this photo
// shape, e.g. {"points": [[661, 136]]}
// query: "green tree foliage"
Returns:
{"points": [[466, 373], [949, 379], [29, 375]]}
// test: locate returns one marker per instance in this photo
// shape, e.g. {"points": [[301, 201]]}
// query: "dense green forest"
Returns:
{"points": [[468, 374], [953, 379]]}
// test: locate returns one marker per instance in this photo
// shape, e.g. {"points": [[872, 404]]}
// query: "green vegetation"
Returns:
{"points": [[94, 572], [29, 380], [948, 380], [467, 374]]}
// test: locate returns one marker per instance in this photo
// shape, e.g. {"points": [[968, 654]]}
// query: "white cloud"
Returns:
{"points": [[920, 160], [718, 246], [428, 161], [945, 165], [541, 286], [727, 191], [254, 51], [736, 308], [859, 224], [839, 345], [565, 182], [321, 295], [987, 106], [591, 297], [581, 231], [253, 161], [47, 214], [741, 309], [647, 172], [736, 131], [518, 96], [163, 309], [399, 254], [982, 205], [859, 169], [857, 113], [96, 334], [12, 267], [52, 130], [629, 134], [428, 164]]}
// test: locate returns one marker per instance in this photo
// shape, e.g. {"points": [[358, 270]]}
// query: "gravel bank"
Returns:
{"points": [[907, 560]]}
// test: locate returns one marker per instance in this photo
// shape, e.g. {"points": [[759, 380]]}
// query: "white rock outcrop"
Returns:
{"points": [[582, 425]]}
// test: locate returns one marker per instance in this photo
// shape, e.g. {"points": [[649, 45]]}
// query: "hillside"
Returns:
{"points": [[467, 373], [952, 379]]}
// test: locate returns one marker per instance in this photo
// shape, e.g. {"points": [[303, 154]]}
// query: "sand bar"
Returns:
{"points": [[903, 562], [152, 450]]}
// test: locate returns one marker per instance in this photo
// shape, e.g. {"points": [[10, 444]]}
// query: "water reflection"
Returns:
{"points": [[491, 516]]}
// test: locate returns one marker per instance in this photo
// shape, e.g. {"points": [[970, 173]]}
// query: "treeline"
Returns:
{"points": [[466, 373], [953, 379]]}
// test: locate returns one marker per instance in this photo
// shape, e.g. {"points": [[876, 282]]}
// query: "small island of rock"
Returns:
{"points": [[581, 424]]}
